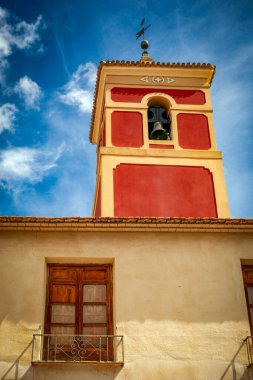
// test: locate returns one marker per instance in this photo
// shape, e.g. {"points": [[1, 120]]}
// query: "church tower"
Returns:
{"points": [[156, 150]]}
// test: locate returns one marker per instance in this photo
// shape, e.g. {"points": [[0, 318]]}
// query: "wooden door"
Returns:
{"points": [[79, 302], [248, 287]]}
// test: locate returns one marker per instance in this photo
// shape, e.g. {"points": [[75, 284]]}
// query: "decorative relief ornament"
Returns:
{"points": [[157, 80]]}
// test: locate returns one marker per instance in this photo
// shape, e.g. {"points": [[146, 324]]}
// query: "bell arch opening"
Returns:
{"points": [[159, 122]]}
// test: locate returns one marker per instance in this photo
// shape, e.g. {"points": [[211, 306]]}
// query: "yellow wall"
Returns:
{"points": [[178, 300]]}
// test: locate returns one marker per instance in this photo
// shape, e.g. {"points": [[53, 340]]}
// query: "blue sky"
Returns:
{"points": [[49, 52]]}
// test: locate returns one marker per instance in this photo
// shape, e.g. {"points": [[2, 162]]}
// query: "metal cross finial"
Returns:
{"points": [[144, 43], [143, 29]]}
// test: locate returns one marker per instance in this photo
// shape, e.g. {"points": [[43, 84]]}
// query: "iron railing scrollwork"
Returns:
{"points": [[76, 348]]}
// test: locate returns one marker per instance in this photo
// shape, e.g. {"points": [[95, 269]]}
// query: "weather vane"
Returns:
{"points": [[144, 43]]}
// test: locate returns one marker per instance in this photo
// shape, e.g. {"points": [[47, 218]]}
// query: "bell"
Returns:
{"points": [[158, 132]]}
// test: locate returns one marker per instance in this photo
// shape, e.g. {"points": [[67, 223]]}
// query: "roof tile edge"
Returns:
{"points": [[15, 223]]}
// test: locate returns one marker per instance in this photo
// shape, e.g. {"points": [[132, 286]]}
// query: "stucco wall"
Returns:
{"points": [[178, 300]]}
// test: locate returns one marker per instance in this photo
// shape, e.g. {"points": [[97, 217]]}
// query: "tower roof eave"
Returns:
{"points": [[213, 225]]}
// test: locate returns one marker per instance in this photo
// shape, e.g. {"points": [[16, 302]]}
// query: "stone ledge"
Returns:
{"points": [[50, 363], [131, 224]]}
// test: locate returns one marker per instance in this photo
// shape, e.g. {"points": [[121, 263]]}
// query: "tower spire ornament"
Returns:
{"points": [[144, 43]]}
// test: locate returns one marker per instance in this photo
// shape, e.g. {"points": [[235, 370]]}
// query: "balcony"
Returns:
{"points": [[52, 348]]}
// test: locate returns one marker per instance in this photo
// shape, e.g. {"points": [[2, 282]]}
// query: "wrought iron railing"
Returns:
{"points": [[249, 343], [73, 348], [240, 354]]}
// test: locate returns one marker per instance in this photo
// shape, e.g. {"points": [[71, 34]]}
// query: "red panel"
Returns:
{"points": [[193, 131], [127, 129], [98, 204], [135, 95], [160, 146], [163, 191]]}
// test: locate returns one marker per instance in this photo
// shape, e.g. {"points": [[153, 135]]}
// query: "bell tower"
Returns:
{"points": [[156, 150]]}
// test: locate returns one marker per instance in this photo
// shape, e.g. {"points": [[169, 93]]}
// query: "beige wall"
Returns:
{"points": [[178, 300]]}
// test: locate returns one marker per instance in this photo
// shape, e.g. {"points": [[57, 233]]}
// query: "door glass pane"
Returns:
{"points": [[95, 331], [63, 314], [59, 330], [94, 313], [94, 293], [250, 294]]}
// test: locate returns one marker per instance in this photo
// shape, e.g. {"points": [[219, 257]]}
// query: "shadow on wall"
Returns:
{"points": [[64, 371], [13, 372], [77, 371], [231, 371], [246, 376]]}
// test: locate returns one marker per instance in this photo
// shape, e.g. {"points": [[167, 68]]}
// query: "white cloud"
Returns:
{"points": [[7, 117], [78, 91], [29, 91], [25, 35], [26, 165], [3, 67], [3, 13], [17, 35], [21, 35]]}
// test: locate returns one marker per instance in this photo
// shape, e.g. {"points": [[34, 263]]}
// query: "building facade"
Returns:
{"points": [[158, 283]]}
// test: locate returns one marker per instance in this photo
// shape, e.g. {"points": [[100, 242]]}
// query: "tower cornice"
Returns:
{"points": [[203, 71]]}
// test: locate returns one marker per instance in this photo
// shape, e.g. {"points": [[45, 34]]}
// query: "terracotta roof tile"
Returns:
{"points": [[27, 222]]}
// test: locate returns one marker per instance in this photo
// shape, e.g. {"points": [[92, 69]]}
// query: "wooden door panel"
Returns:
{"points": [[64, 274], [63, 293], [94, 275]]}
